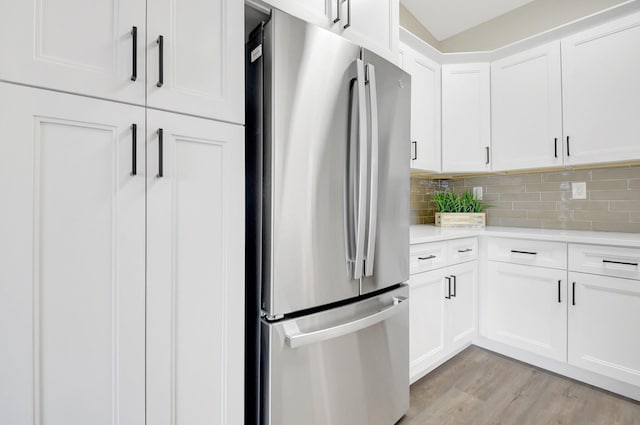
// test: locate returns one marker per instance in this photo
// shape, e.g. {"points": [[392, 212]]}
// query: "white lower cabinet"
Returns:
{"points": [[87, 337], [72, 274], [604, 316], [442, 317], [527, 308], [195, 281]]}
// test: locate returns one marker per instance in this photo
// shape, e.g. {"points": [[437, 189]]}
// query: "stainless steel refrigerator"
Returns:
{"points": [[327, 229]]}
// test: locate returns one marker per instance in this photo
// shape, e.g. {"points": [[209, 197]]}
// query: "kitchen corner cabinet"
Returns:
{"points": [[526, 110], [466, 118], [93, 49], [425, 109], [442, 318], [601, 93], [86, 331], [373, 24]]}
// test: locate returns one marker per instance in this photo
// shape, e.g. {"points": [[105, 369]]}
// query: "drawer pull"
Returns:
{"points": [[430, 257], [620, 262], [462, 251], [515, 251]]}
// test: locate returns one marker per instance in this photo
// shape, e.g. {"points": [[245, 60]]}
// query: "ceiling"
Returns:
{"points": [[445, 18]]}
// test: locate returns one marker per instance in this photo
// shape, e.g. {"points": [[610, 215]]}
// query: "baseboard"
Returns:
{"points": [[609, 384], [433, 364]]}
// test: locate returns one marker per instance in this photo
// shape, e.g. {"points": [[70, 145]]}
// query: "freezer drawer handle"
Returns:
{"points": [[294, 338]]}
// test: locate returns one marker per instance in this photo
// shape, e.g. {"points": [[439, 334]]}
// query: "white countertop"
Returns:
{"points": [[429, 233]]}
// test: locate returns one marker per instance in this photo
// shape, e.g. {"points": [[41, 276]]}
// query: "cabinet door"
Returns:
{"points": [[461, 310], [526, 308], [604, 316], [526, 109], [72, 292], [318, 12], [76, 46], [198, 68], [426, 321], [373, 24], [425, 109], [195, 271], [466, 118], [601, 93]]}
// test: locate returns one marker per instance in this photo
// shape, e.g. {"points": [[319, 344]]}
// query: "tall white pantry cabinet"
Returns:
{"points": [[122, 226]]}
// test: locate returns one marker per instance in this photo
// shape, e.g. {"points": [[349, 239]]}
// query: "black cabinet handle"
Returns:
{"points": [[568, 150], [455, 286], [555, 147], [461, 251], [348, 14], [335, 21], [160, 149], [415, 150], [160, 42], [559, 284], [134, 149], [449, 285], [515, 251], [134, 40], [620, 262], [573, 293], [430, 257], [487, 151]]}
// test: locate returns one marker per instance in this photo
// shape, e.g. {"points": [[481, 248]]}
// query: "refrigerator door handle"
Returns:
{"points": [[373, 185], [362, 171], [294, 338]]}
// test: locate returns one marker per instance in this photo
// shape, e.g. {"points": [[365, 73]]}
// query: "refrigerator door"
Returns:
{"points": [[344, 366], [387, 253], [312, 127]]}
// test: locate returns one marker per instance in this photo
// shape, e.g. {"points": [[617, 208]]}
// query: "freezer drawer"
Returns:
{"points": [[348, 365]]}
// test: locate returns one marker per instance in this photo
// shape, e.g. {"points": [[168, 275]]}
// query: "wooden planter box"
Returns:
{"points": [[461, 219]]}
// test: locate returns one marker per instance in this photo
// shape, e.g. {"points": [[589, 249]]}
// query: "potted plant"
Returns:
{"points": [[462, 209]]}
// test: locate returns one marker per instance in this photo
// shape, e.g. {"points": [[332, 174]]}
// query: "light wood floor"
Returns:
{"points": [[478, 387]]}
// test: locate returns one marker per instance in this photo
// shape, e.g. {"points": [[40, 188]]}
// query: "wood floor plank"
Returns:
{"points": [[478, 387]]}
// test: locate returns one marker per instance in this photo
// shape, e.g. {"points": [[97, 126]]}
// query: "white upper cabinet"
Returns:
{"points": [[373, 24], [72, 269], [601, 93], [76, 46], [196, 57], [466, 118], [526, 109], [425, 109], [318, 12]]}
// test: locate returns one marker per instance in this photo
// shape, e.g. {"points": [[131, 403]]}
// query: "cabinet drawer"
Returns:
{"points": [[461, 250], [427, 256], [605, 260], [532, 253]]}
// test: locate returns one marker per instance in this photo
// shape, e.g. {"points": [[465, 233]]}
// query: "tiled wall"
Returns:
{"points": [[543, 200]]}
